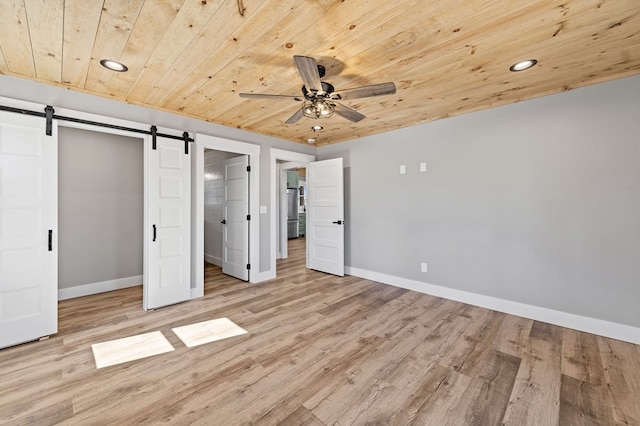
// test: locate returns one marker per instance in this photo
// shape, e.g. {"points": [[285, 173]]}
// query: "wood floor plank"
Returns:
{"points": [[486, 398], [621, 364], [435, 401], [584, 403], [319, 350], [537, 385], [513, 336], [581, 357], [547, 332], [301, 417]]}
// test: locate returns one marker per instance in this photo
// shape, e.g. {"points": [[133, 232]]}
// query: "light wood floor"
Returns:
{"points": [[320, 350]]}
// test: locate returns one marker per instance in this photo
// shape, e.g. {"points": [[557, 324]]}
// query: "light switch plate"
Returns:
{"points": [[423, 167], [403, 169]]}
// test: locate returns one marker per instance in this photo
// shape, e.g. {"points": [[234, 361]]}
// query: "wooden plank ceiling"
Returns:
{"points": [[193, 57]]}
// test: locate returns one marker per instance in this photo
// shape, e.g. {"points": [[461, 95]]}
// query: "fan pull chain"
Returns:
{"points": [[241, 8]]}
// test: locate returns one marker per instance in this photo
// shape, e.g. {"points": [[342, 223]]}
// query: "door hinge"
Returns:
{"points": [[248, 266], [48, 111], [248, 217], [248, 168], [185, 136], [154, 130]]}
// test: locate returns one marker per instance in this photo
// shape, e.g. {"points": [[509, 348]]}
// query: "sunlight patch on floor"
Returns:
{"points": [[130, 348], [208, 331]]}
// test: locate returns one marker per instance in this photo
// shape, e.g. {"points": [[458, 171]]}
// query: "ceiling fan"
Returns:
{"points": [[319, 98]]}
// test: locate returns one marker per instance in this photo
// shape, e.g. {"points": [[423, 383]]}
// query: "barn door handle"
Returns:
{"points": [[338, 222], [50, 243], [223, 222], [154, 232]]}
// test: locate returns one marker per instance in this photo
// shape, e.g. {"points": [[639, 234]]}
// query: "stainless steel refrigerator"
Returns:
{"points": [[292, 213]]}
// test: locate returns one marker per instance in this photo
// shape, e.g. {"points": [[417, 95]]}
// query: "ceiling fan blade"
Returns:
{"points": [[308, 69], [268, 96], [295, 117], [365, 91], [348, 113]]}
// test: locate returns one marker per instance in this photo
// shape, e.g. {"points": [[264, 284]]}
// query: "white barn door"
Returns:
{"points": [[167, 259], [28, 229], [235, 240], [325, 216]]}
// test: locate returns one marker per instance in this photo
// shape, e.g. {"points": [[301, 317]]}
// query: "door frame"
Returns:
{"points": [[143, 139], [281, 236], [276, 155], [203, 141]]}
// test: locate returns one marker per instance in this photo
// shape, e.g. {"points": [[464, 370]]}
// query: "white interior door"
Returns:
{"points": [[325, 216], [235, 234], [167, 224], [283, 240], [28, 229]]}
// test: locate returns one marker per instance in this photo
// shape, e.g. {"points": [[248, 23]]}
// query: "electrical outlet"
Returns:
{"points": [[423, 167], [423, 267], [403, 169]]}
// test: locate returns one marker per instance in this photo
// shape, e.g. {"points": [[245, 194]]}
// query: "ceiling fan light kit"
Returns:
{"points": [[319, 97], [318, 108]]}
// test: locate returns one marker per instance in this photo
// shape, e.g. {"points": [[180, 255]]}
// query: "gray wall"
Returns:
{"points": [[100, 207], [536, 202]]}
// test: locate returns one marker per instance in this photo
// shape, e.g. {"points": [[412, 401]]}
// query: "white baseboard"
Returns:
{"points": [[100, 287], [213, 260], [197, 292], [600, 327], [265, 276]]}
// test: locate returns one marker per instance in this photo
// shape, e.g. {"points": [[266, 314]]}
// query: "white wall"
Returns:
{"points": [[214, 203], [536, 203], [100, 208]]}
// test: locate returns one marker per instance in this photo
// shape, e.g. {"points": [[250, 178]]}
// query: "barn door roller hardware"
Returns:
{"points": [[48, 111], [49, 115], [185, 136]]}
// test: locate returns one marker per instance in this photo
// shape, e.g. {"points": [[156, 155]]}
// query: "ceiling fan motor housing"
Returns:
{"points": [[327, 88]]}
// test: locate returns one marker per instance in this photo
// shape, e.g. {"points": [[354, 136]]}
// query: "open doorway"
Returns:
{"points": [[291, 206], [233, 149], [225, 242], [281, 162], [100, 211]]}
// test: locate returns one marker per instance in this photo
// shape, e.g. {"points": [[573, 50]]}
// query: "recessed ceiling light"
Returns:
{"points": [[523, 65], [113, 65], [316, 128], [311, 140]]}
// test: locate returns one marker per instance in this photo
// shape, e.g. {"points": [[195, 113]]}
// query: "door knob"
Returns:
{"points": [[223, 221], [338, 222]]}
